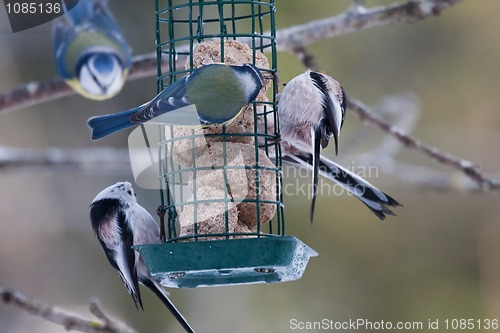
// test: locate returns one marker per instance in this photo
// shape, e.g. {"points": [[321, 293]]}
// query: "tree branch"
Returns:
{"points": [[470, 169], [78, 158], [288, 39], [61, 317], [294, 40], [34, 93], [359, 18]]}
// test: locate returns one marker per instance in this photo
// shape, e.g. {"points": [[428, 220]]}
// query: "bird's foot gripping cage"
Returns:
{"points": [[220, 185]]}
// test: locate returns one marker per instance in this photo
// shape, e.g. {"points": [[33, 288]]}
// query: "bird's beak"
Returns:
{"points": [[337, 123]]}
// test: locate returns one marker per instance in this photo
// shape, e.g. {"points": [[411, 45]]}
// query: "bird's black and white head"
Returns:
{"points": [[313, 102], [121, 193], [101, 75], [311, 110], [333, 101], [250, 79]]}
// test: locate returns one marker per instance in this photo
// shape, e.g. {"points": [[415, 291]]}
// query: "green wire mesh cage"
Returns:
{"points": [[220, 185]]}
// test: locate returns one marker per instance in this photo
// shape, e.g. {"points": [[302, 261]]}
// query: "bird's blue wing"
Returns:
{"points": [[62, 33], [173, 105], [170, 99]]}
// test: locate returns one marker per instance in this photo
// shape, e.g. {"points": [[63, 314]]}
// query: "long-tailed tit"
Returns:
{"points": [[311, 111], [119, 223]]}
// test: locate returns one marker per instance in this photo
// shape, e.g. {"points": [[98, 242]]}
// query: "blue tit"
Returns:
{"points": [[90, 52], [119, 223], [211, 94], [311, 110]]}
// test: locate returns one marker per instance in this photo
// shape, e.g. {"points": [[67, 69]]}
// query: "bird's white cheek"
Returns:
{"points": [[99, 83], [88, 82], [117, 82]]}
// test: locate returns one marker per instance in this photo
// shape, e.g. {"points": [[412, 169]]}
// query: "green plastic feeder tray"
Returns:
{"points": [[226, 262]]}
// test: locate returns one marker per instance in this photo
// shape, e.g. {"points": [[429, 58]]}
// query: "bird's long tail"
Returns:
{"points": [[102, 126], [315, 164], [162, 294], [377, 201]]}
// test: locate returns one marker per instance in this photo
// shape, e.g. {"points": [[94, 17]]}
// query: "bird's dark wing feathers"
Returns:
{"points": [[343, 104], [103, 215], [129, 255], [328, 109], [102, 208]]}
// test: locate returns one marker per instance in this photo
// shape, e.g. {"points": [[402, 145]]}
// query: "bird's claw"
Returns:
{"points": [[161, 214]]}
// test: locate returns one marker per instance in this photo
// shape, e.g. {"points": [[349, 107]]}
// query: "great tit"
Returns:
{"points": [[119, 223], [211, 94], [90, 52]]}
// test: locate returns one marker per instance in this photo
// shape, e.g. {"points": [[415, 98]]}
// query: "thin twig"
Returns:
{"points": [[307, 58], [288, 39], [356, 20], [34, 93], [114, 326], [62, 317], [78, 158], [470, 169]]}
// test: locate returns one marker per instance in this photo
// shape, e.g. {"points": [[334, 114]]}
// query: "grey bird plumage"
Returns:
{"points": [[119, 223], [311, 111]]}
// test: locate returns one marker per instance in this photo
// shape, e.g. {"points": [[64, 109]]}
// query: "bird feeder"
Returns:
{"points": [[220, 185]]}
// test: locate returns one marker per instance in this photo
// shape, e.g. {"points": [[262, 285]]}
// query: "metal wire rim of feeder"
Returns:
{"points": [[191, 256]]}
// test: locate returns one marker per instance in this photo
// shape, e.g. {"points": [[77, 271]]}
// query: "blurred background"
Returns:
{"points": [[439, 258]]}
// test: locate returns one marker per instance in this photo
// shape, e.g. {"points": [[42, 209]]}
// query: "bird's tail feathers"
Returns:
{"points": [[102, 126], [136, 296], [316, 134], [376, 200], [162, 294]]}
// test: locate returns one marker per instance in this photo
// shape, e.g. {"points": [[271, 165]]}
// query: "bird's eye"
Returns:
{"points": [[129, 192]]}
